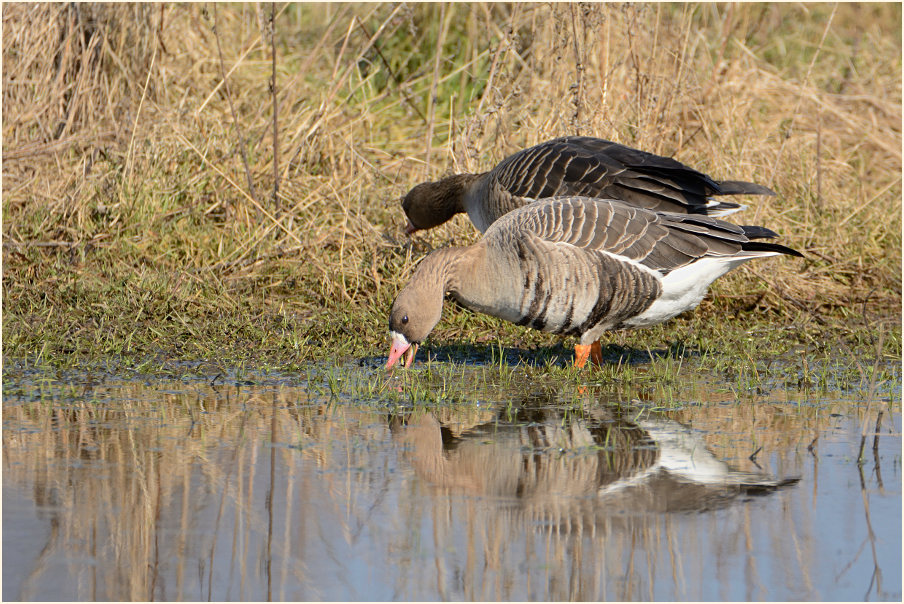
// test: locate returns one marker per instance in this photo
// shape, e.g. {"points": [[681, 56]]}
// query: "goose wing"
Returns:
{"points": [[659, 241], [592, 167]]}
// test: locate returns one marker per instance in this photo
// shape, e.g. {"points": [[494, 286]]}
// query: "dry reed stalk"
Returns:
{"points": [[235, 122], [579, 69], [272, 35]]}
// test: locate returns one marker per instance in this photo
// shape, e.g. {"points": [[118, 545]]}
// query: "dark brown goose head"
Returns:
{"points": [[430, 204]]}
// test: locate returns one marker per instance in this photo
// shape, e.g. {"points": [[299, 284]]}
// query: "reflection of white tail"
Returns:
{"points": [[683, 456], [683, 453]]}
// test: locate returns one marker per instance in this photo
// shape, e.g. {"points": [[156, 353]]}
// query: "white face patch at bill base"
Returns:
{"points": [[398, 347], [401, 348]]}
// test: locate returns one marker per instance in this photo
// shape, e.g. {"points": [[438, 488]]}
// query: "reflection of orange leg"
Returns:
{"points": [[581, 353], [596, 353]]}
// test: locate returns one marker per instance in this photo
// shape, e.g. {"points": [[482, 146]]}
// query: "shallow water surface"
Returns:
{"points": [[274, 488]]}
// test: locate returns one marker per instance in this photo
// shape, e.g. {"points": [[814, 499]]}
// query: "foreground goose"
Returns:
{"points": [[574, 165], [577, 266]]}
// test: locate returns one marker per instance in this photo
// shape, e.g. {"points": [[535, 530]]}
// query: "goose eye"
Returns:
{"points": [[404, 319]]}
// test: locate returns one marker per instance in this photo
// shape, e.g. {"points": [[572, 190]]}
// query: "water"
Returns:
{"points": [[122, 489]]}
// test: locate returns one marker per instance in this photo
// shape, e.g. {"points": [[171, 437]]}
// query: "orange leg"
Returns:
{"points": [[596, 353], [581, 352]]}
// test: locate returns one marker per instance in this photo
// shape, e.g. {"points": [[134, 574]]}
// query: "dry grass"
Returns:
{"points": [[130, 227]]}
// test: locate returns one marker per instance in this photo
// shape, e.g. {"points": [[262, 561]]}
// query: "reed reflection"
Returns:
{"points": [[128, 490]]}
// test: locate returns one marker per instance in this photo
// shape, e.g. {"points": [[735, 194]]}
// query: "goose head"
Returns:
{"points": [[415, 312], [430, 204]]}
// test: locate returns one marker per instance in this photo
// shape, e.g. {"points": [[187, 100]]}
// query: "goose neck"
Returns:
{"points": [[452, 267]]}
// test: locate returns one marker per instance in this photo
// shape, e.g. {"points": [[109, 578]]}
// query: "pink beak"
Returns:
{"points": [[410, 228], [401, 348]]}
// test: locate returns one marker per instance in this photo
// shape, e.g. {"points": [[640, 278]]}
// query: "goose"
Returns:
{"points": [[572, 166], [640, 466], [576, 266]]}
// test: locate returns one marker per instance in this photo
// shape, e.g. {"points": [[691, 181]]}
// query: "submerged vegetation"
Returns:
{"points": [[155, 212]]}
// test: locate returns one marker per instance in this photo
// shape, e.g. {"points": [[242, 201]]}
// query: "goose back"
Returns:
{"points": [[574, 166], [593, 167], [658, 241]]}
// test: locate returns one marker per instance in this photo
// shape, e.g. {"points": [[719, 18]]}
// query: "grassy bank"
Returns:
{"points": [[148, 213]]}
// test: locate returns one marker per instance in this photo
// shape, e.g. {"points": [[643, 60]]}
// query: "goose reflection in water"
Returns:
{"points": [[559, 466]]}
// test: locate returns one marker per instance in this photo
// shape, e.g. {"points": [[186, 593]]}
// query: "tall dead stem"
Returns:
{"points": [[438, 55], [235, 120], [579, 69], [271, 33]]}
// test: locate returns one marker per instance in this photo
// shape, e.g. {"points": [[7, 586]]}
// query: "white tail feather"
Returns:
{"points": [[684, 288]]}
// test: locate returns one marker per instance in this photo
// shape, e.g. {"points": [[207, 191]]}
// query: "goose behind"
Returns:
{"points": [[577, 266], [572, 166]]}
